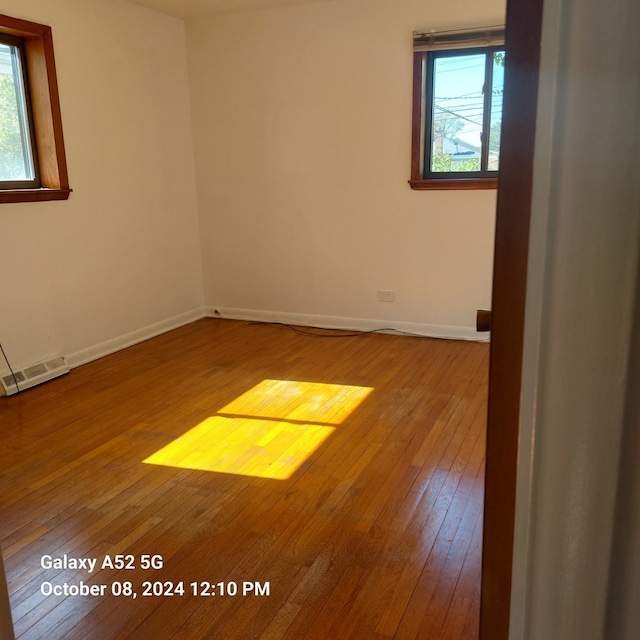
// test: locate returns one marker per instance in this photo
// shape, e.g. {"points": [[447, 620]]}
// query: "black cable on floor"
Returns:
{"points": [[342, 332], [15, 380]]}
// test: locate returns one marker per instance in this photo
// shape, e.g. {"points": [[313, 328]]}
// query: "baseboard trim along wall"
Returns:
{"points": [[108, 347], [129, 339], [350, 324]]}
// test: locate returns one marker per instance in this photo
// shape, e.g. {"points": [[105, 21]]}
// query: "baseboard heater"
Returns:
{"points": [[33, 375]]}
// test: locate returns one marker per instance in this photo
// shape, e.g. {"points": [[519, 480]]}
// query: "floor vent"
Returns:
{"points": [[33, 375]]}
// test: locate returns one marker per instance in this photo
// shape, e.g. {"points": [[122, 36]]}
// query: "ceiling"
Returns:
{"points": [[197, 8]]}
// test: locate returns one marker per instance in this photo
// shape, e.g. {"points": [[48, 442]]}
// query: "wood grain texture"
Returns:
{"points": [[376, 533], [523, 41]]}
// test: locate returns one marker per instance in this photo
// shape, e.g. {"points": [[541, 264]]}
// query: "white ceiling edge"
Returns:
{"points": [[199, 8]]}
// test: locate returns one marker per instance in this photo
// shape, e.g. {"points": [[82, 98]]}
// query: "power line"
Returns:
{"points": [[479, 124]]}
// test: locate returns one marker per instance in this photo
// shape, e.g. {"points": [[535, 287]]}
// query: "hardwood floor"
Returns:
{"points": [[353, 490]]}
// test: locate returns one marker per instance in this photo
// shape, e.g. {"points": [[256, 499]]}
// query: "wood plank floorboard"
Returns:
{"points": [[346, 471]]}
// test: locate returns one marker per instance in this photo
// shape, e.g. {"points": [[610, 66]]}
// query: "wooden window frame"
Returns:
{"points": [[27, 132], [421, 179], [42, 86]]}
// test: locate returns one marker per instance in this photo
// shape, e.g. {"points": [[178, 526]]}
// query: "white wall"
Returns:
{"points": [[577, 538], [302, 121], [121, 257]]}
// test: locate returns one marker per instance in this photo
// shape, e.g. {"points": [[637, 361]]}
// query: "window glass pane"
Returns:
{"points": [[457, 112], [15, 152], [497, 91]]}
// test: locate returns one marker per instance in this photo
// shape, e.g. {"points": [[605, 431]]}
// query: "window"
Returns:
{"points": [[17, 148], [457, 109], [32, 158]]}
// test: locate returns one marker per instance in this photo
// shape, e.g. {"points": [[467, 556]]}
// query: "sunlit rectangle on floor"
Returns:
{"points": [[267, 432]]}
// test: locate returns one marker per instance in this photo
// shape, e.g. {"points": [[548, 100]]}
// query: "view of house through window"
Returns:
{"points": [[466, 114], [458, 86], [16, 150]]}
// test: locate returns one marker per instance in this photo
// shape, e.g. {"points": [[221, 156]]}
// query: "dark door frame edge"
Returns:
{"points": [[522, 43]]}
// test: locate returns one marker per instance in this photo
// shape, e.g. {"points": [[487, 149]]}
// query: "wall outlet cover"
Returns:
{"points": [[386, 296]]}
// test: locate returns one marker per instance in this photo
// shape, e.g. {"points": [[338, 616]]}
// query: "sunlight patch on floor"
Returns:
{"points": [[267, 432]]}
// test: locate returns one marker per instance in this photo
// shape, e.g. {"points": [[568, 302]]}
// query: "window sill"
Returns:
{"points": [[455, 183], [33, 195]]}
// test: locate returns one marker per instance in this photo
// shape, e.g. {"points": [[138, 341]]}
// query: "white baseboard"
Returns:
{"points": [[325, 322], [350, 324], [122, 342]]}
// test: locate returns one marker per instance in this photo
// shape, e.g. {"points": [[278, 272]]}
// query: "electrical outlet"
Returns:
{"points": [[386, 296]]}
